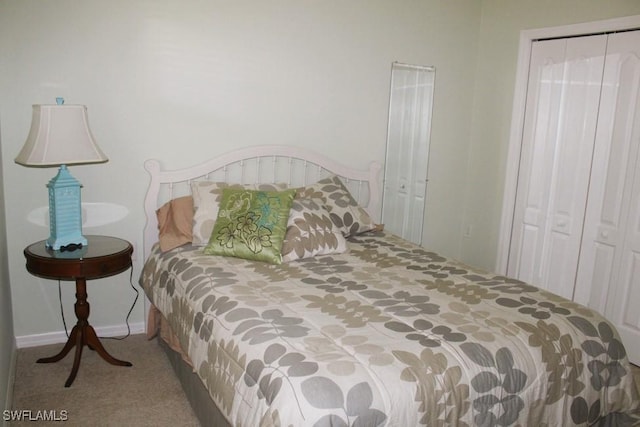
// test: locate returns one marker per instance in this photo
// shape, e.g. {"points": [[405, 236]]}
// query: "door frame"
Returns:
{"points": [[527, 37]]}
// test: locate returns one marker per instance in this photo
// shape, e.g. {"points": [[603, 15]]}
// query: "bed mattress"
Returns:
{"points": [[388, 333]]}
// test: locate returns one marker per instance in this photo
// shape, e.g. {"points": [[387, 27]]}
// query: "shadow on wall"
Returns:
{"points": [[93, 214]]}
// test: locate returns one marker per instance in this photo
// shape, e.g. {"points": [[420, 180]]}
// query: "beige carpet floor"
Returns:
{"points": [[146, 394]]}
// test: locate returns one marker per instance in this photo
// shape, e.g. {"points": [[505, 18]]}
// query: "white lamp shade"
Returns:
{"points": [[60, 135]]}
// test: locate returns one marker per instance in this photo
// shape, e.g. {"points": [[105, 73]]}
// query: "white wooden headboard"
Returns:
{"points": [[260, 164]]}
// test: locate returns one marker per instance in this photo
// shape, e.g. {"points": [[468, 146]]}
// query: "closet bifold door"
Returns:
{"points": [[407, 152], [609, 269], [557, 145]]}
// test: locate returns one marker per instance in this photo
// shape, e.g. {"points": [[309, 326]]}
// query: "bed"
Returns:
{"points": [[363, 330]]}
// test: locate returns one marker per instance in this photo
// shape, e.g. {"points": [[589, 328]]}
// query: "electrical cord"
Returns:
{"points": [[126, 320], [62, 309], [135, 300]]}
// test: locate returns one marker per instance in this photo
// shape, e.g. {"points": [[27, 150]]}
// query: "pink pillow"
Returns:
{"points": [[175, 222]]}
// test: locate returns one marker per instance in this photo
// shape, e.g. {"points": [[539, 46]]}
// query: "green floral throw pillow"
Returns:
{"points": [[251, 224]]}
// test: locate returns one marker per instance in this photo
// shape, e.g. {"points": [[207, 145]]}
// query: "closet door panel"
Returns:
{"points": [[408, 140], [624, 290], [612, 188], [541, 122], [561, 116]]}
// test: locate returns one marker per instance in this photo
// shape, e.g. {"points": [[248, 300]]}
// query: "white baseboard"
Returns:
{"points": [[61, 337]]}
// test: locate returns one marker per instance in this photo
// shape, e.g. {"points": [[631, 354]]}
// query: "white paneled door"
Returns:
{"points": [[407, 158], [609, 270], [557, 146], [576, 227]]}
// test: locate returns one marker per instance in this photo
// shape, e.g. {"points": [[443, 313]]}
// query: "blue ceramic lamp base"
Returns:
{"points": [[65, 212]]}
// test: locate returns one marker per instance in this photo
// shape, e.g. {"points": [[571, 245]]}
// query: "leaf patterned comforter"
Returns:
{"points": [[388, 334]]}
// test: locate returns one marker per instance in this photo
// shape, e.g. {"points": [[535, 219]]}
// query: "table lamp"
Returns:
{"points": [[60, 136]]}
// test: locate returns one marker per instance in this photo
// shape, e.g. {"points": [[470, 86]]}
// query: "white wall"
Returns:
{"points": [[7, 338], [183, 81]]}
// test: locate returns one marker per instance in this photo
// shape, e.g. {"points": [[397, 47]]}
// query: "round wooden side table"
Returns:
{"points": [[103, 256]]}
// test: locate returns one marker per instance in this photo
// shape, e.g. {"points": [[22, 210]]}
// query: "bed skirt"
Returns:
{"points": [[197, 395]]}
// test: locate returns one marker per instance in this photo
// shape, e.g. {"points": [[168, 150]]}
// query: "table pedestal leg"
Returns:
{"points": [[82, 334]]}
